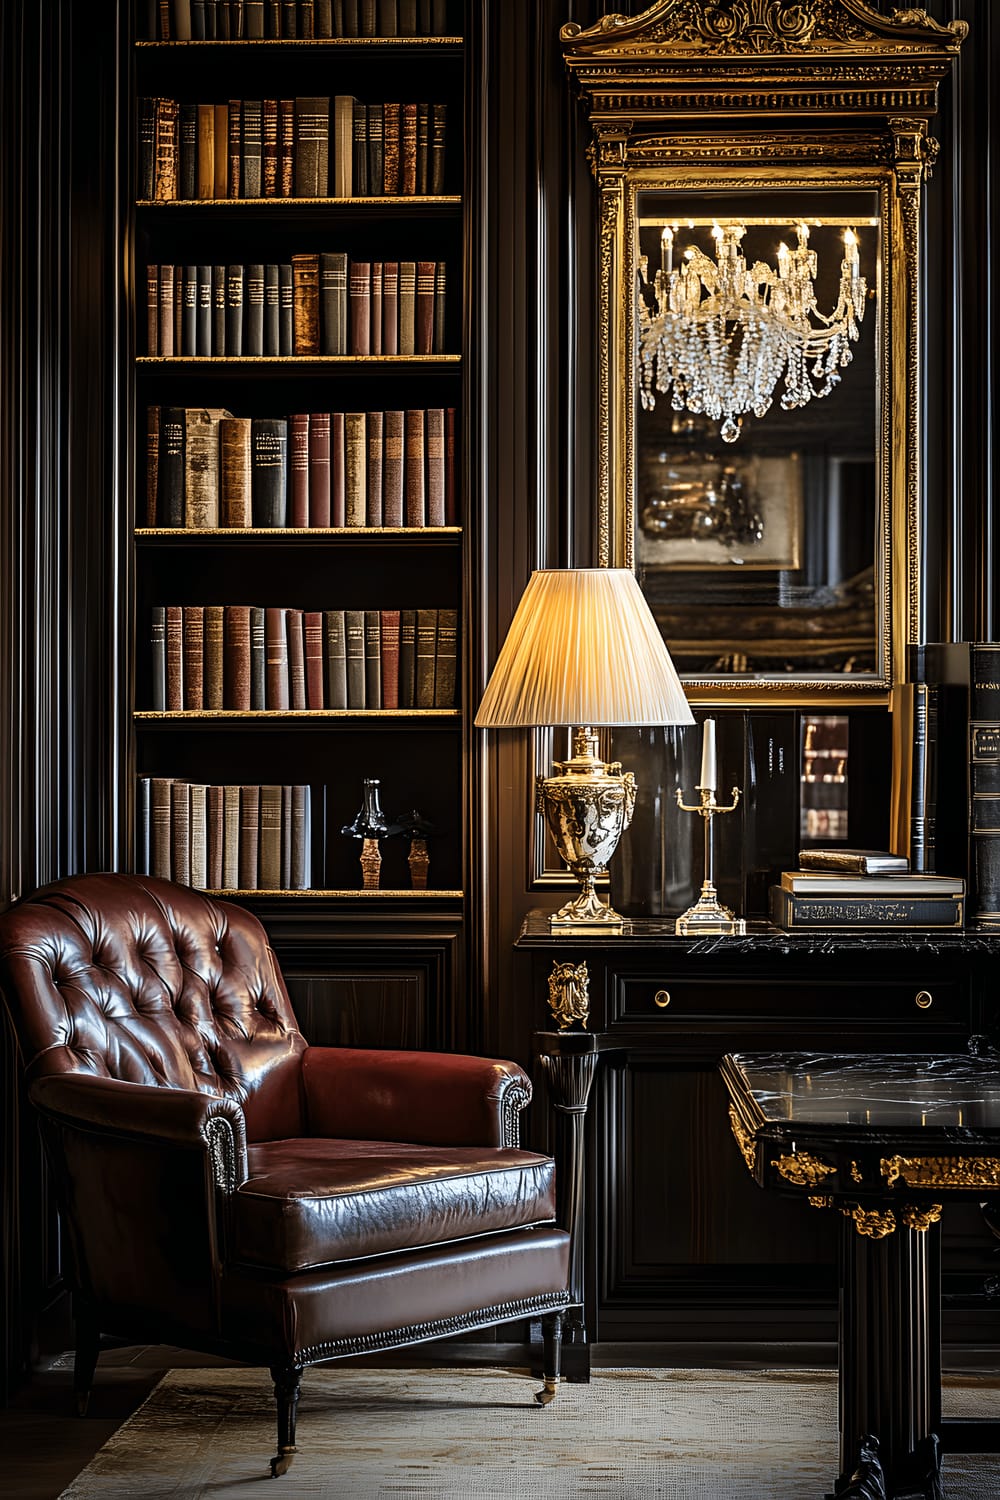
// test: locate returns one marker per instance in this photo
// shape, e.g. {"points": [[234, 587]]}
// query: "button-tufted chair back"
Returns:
{"points": [[137, 979]]}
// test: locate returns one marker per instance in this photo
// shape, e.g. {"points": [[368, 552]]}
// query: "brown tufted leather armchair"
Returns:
{"points": [[228, 1188]]}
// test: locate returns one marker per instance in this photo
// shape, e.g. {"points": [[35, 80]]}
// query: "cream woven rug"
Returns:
{"points": [[683, 1434]]}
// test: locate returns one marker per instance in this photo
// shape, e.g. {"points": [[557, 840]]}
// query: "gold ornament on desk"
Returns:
{"points": [[708, 917]]}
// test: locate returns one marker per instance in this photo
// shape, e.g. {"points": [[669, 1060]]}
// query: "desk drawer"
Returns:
{"points": [[654, 997]]}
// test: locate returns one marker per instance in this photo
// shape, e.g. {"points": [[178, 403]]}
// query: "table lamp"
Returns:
{"points": [[584, 650]]}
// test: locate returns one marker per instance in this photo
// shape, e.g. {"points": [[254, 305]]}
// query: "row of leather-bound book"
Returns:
{"points": [[291, 20], [206, 468], [323, 304], [235, 837], [239, 657], [315, 146]]}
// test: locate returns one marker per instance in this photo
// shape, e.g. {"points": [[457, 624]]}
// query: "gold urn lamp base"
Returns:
{"points": [[587, 806]]}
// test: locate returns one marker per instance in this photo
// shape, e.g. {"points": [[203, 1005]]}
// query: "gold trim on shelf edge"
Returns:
{"points": [[942, 1171], [874, 1223], [569, 993], [147, 715], [410, 532], [856, 1173], [353, 892], [744, 1138], [918, 1218], [392, 42], [820, 1200], [421, 200], [298, 359], [803, 1169]]}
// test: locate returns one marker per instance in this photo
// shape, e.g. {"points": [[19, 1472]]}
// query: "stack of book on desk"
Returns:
{"points": [[862, 888]]}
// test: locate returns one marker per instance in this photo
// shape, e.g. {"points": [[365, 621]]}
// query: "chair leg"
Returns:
{"points": [[88, 1341], [552, 1325], [287, 1382]]}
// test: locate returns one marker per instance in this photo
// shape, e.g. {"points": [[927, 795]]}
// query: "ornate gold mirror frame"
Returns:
{"points": [[742, 100]]}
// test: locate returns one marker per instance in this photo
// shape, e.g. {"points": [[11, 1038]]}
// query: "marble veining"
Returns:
{"points": [[957, 1094]]}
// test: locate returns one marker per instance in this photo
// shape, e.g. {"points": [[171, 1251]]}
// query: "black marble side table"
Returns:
{"points": [[884, 1141]]}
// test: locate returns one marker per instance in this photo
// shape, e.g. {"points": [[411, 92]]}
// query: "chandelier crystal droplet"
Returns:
{"points": [[720, 335]]}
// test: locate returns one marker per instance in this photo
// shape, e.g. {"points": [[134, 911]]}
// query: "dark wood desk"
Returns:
{"points": [[885, 1142]]}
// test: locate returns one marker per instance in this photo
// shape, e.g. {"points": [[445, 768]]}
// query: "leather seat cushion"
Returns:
{"points": [[310, 1202]]}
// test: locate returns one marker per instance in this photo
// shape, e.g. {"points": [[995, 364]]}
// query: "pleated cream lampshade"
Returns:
{"points": [[583, 648]]}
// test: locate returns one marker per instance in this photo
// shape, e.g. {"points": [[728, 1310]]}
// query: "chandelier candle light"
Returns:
{"points": [[708, 918], [584, 650], [723, 334]]}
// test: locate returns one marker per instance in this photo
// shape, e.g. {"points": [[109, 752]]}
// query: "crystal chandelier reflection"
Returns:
{"points": [[721, 334]]}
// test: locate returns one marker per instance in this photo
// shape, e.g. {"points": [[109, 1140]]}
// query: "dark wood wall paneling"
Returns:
{"points": [[57, 530]]}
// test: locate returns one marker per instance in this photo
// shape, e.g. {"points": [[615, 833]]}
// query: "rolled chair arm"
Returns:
{"points": [[159, 1116], [431, 1098]]}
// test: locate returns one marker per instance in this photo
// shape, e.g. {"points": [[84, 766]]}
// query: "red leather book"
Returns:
{"points": [[236, 656], [249, 836], [373, 504], [194, 656], [338, 485], [392, 469], [375, 309], [359, 296], [313, 633], [390, 657], [390, 307], [423, 327], [294, 629], [216, 837], [416, 508], [276, 659], [319, 468], [450, 476], [298, 509]]}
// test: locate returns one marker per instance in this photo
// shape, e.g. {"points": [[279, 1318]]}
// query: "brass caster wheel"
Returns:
{"points": [[548, 1393], [282, 1463]]}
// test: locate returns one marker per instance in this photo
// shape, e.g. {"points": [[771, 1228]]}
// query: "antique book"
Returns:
{"points": [[407, 658], [289, 19], [350, 19], [834, 883], [312, 634], [390, 307], [427, 622], [445, 666], [286, 838], [269, 852], [425, 309], [166, 149], [373, 659], [234, 175], [213, 669], [236, 657], [366, 18], [187, 344], [294, 628], [181, 12], [230, 837], [235, 508], [198, 798], [342, 175], [180, 832], [450, 476], [253, 19], [407, 11], [206, 152], [193, 627], [386, 22], [286, 148], [249, 836], [269, 148], [423, 148], [854, 861], [434, 449], [175, 657], [392, 469], [436, 176], [253, 310], [143, 825], [415, 494], [160, 852], [359, 158], [234, 311], [375, 309], [354, 636], [158, 659], [286, 309], [407, 306], [359, 312], [312, 137], [318, 455], [268, 470], [218, 311], [832, 913], [173, 440], [187, 168], [201, 465], [203, 327], [333, 301], [146, 186], [220, 147], [390, 148], [355, 469], [166, 320], [148, 517], [305, 304], [258, 658], [439, 345], [338, 476], [336, 658], [300, 876], [408, 150], [298, 469], [272, 336], [215, 818], [252, 149], [152, 310], [324, 18], [389, 639], [373, 504], [277, 686], [376, 169]]}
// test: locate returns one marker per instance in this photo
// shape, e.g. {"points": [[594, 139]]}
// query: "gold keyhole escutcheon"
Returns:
{"points": [[662, 999], [923, 999]]}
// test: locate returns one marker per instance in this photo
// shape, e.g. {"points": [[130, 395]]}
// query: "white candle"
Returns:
{"points": [[708, 778], [667, 250]]}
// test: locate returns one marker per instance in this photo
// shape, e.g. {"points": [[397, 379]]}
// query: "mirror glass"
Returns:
{"points": [[757, 535]]}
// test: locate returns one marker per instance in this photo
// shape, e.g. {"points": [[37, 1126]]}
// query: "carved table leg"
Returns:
{"points": [[889, 1365], [287, 1384], [552, 1324]]}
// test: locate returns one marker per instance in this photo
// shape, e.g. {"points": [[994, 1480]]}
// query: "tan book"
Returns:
{"points": [[446, 658], [216, 837], [165, 149], [434, 448], [408, 150], [305, 304], [392, 469], [269, 148], [426, 654], [166, 319], [276, 658], [423, 315], [194, 656], [221, 143], [342, 176], [249, 836], [415, 493], [205, 179], [161, 824], [213, 656], [270, 838], [199, 835], [152, 310], [286, 147], [236, 657], [375, 424], [355, 465], [235, 490], [201, 465], [230, 837], [180, 832], [390, 149], [294, 627], [407, 306]]}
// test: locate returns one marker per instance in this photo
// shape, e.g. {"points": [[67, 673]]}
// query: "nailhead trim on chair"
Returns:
{"points": [[416, 1333], [222, 1151], [515, 1096]]}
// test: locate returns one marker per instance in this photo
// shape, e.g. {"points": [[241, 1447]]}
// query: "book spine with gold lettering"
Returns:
{"points": [[427, 623], [276, 648], [319, 468], [305, 304], [793, 913], [408, 150], [390, 149], [268, 470]]}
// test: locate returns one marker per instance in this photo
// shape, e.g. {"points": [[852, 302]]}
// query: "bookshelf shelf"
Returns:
{"points": [[448, 44], [386, 205], [182, 536], [404, 893], [305, 718], [292, 364]]}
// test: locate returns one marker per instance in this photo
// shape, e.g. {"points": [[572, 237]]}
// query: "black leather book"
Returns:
{"points": [[354, 633], [188, 176], [252, 148], [234, 310], [269, 470], [272, 337], [258, 658], [189, 312], [286, 313], [203, 330], [253, 310], [170, 486], [218, 310], [333, 301], [373, 659]]}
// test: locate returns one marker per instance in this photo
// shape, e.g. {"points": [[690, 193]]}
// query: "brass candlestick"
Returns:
{"points": [[708, 917]]}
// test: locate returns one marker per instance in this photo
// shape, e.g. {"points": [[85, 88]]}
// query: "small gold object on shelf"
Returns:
{"points": [[708, 917], [802, 1169], [569, 994]]}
